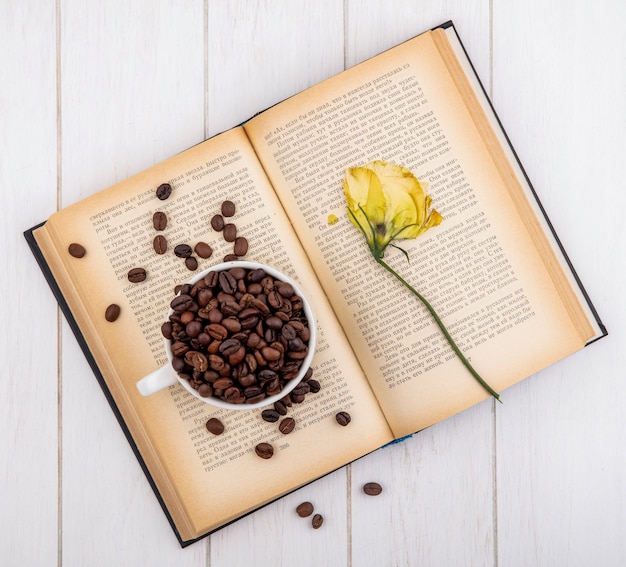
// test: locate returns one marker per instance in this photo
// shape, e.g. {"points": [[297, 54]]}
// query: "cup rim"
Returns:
{"points": [[289, 386]]}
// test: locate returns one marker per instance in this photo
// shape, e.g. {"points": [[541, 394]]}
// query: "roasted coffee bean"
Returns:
{"points": [[205, 390], [343, 418], [280, 407], [203, 250], [317, 521], [215, 426], [230, 258], [76, 250], [159, 244], [183, 250], [264, 450], [304, 510], [314, 386], [372, 488], [181, 302], [166, 330], [227, 282], [228, 208], [229, 232], [164, 191], [287, 425], [159, 220], [240, 247], [271, 416], [191, 263], [137, 275], [217, 223], [112, 312]]}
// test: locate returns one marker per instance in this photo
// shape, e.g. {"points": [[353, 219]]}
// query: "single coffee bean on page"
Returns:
{"points": [[304, 510], [217, 223], [343, 418], [240, 247], [136, 275], [183, 250], [159, 244], [372, 488], [191, 263], [230, 232], [112, 312], [317, 521], [287, 425], [159, 220], [164, 191], [270, 415], [228, 208], [203, 250], [215, 426], [76, 250], [264, 450]]}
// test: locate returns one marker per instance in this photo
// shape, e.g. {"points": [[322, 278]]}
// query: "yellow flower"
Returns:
{"points": [[387, 202]]}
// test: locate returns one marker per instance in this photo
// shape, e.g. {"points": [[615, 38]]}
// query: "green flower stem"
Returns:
{"points": [[441, 327]]}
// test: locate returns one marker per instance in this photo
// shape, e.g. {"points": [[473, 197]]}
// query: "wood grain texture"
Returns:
{"points": [[97, 92]]}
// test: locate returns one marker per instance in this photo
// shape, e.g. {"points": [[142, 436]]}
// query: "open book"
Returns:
{"points": [[494, 271]]}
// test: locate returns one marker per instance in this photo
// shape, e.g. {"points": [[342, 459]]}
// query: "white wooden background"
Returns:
{"points": [[92, 92]]}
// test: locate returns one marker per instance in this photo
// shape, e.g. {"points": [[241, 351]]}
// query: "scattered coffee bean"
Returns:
{"points": [[304, 510], [76, 250], [343, 418], [287, 425], [215, 426], [159, 244], [137, 275], [280, 407], [230, 232], [217, 222], [112, 312], [159, 220], [191, 263], [203, 250], [317, 521], [183, 250], [314, 386], [230, 258], [264, 450], [241, 246], [228, 208], [372, 488], [164, 191], [269, 415]]}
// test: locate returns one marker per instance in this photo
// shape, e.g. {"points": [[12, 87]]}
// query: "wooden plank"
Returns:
{"points": [[132, 93], [28, 335], [439, 482], [559, 83]]}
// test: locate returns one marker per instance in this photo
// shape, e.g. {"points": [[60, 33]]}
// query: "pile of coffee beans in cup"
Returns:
{"points": [[238, 335]]}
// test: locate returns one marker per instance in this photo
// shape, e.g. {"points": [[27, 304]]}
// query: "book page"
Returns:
{"points": [[201, 476], [480, 269]]}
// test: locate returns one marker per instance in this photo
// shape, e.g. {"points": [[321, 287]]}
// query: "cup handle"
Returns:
{"points": [[157, 380]]}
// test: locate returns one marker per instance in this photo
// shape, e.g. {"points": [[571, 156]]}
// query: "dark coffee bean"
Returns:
{"points": [[159, 244], [76, 250], [181, 302], [240, 247], [227, 282], [217, 223], [230, 258], [228, 208], [343, 418], [159, 220], [271, 416], [164, 191], [230, 232], [314, 386], [304, 510], [215, 426], [137, 275], [183, 250], [166, 330], [191, 263], [317, 521], [264, 450], [112, 312], [280, 407], [287, 425], [372, 488], [203, 250], [205, 390]]}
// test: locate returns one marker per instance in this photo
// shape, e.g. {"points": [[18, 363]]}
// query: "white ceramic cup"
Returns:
{"points": [[166, 376]]}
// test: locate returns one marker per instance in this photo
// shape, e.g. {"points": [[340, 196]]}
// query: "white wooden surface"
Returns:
{"points": [[95, 91]]}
